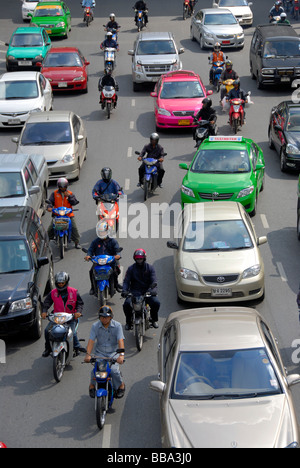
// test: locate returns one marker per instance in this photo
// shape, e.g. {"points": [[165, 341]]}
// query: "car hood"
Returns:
{"points": [[26, 52], [248, 423], [14, 286], [157, 59], [62, 73], [51, 153], [47, 20], [281, 62], [22, 105], [221, 183], [219, 30], [14, 201], [173, 105]]}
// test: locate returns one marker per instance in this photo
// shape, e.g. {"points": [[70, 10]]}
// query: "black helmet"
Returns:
{"points": [[62, 277], [105, 311], [106, 174], [154, 137], [207, 103], [236, 83]]}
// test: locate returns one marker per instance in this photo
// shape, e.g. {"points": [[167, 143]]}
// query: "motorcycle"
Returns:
{"points": [[62, 227], [140, 19], [110, 58], [229, 86], [236, 114], [275, 19], [108, 209], [140, 316], [150, 176], [203, 131], [61, 342], [104, 277], [218, 68], [87, 16], [108, 99], [104, 392], [188, 8]]}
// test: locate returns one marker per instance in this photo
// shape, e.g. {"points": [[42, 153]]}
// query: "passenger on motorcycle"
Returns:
{"points": [[106, 184], [89, 3], [108, 80], [227, 74], [138, 280], [64, 299], [112, 24], [103, 245], [64, 197], [153, 150], [105, 338], [216, 56], [283, 19], [140, 5], [238, 93], [207, 113], [276, 10], [109, 42]]}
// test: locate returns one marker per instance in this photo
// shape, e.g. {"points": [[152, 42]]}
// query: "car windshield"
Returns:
{"points": [[46, 133], [233, 3], [181, 90], [26, 40], [13, 256], [227, 235], [60, 59], [156, 47], [293, 123], [214, 19], [274, 49], [10, 90], [11, 185], [48, 11], [229, 374], [221, 162]]}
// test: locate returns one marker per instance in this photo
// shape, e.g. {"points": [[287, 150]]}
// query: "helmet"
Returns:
{"points": [[236, 83], [112, 16], [62, 183], [106, 174], [108, 70], [140, 254], [207, 103], [105, 311], [283, 15], [217, 47], [62, 277], [278, 3], [109, 34], [154, 137], [228, 64], [102, 229]]}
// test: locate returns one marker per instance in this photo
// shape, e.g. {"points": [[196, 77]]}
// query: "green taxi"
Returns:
{"points": [[225, 168], [55, 17]]}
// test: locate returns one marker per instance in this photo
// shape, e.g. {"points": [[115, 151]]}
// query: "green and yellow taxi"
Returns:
{"points": [[55, 17], [225, 168]]}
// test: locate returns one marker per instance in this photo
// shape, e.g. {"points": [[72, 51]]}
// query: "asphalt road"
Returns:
{"points": [[35, 410]]}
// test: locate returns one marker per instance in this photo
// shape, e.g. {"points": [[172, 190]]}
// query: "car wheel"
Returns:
{"points": [[283, 167], [36, 329], [271, 144], [259, 84], [254, 211], [192, 37], [202, 44], [78, 176]]}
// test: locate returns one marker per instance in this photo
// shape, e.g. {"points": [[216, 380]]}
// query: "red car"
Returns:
{"points": [[66, 69], [178, 97]]}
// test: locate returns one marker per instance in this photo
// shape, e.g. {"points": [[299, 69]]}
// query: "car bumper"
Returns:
{"points": [[58, 169], [68, 85], [248, 202], [23, 64], [13, 120], [144, 76], [277, 79], [292, 162], [12, 324], [209, 42], [174, 122]]}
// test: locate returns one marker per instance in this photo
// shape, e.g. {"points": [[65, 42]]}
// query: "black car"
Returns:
{"points": [[26, 270], [275, 55], [284, 134]]}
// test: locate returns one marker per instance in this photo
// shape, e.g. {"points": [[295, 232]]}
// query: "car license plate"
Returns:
{"points": [[25, 63], [216, 292], [225, 42], [14, 121], [62, 85], [285, 79], [48, 31], [184, 122]]}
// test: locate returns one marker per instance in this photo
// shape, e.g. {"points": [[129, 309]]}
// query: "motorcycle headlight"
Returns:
{"points": [[245, 192], [101, 375], [292, 149], [163, 112], [188, 274], [187, 191], [22, 304], [252, 271]]}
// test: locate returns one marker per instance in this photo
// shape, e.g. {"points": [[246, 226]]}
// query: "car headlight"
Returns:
{"points": [[208, 35], [240, 36], [163, 112], [297, 71], [79, 78], [22, 304], [268, 71], [185, 273], [61, 25], [252, 271], [39, 58], [187, 191], [37, 109], [11, 57], [68, 158], [292, 149], [245, 192]]}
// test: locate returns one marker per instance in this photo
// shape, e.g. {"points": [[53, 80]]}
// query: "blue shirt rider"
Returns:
{"points": [[106, 185], [109, 42]]}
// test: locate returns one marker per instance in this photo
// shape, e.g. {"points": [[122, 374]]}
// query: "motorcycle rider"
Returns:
{"points": [[108, 80], [106, 185], [109, 42], [103, 245], [64, 299], [64, 197], [227, 74], [140, 278], [140, 5], [90, 4], [216, 56], [207, 112], [154, 150], [276, 10], [283, 19], [107, 336], [238, 93], [112, 24]]}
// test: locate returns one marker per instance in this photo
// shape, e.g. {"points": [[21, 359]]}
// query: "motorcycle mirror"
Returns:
{"points": [[118, 250], [84, 250], [137, 152]]}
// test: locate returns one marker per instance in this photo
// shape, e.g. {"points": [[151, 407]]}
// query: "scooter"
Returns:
{"points": [[188, 8], [218, 68], [104, 277], [236, 114], [150, 176], [87, 16], [61, 342], [203, 131], [104, 392], [108, 99], [108, 209], [140, 19], [110, 58], [62, 227]]}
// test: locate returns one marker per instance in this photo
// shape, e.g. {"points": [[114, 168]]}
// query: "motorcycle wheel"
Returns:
{"points": [[59, 363], [61, 245], [108, 108], [235, 126], [100, 411], [146, 189], [138, 333], [185, 14], [102, 296]]}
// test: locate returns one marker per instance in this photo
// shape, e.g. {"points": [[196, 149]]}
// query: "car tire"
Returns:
{"points": [[36, 329], [254, 211], [259, 84], [192, 37], [283, 166], [202, 45], [271, 144]]}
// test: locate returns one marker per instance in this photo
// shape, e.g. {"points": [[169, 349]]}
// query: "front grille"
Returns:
{"points": [[220, 279], [225, 37], [221, 298], [184, 113], [215, 196], [285, 71], [159, 68], [14, 114]]}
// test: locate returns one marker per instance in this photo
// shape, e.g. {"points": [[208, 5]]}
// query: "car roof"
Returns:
{"points": [[181, 75], [219, 328], [230, 143], [150, 36], [62, 49], [12, 220], [19, 76], [277, 30], [216, 10], [12, 162], [213, 211], [28, 30], [49, 116]]}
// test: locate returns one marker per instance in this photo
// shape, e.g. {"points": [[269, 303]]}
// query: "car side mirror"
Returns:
{"points": [[172, 245], [259, 166], [131, 52], [181, 50], [157, 386], [153, 94], [262, 240], [277, 127], [15, 140], [42, 261], [184, 166], [34, 189], [209, 92], [86, 62], [80, 137]]}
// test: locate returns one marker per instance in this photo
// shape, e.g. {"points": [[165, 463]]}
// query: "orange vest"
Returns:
{"points": [[59, 200], [218, 57]]}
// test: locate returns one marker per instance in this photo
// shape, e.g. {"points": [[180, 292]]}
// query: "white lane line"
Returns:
{"points": [[133, 103], [106, 436], [264, 221], [129, 152], [127, 184], [281, 272], [131, 126]]}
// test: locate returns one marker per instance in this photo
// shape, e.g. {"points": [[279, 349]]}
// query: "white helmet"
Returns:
{"points": [[102, 229], [112, 15]]}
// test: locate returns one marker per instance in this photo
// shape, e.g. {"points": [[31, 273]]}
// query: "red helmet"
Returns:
{"points": [[2, 445], [139, 253]]}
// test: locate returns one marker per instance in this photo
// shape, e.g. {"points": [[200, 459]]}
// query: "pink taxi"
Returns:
{"points": [[178, 97]]}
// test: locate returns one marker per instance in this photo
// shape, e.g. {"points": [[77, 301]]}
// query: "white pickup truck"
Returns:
{"points": [[24, 181]]}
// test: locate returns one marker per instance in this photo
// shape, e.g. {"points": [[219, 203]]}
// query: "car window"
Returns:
{"points": [[42, 81], [14, 256], [233, 3], [28, 179], [181, 90], [225, 374], [32, 170], [277, 48], [293, 121], [11, 185], [76, 126], [36, 236], [46, 133], [169, 342], [156, 47], [269, 339], [221, 161]]}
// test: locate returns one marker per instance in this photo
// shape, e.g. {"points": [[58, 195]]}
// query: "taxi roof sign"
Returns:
{"points": [[226, 138]]}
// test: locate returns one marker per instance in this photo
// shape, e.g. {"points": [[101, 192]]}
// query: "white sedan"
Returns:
{"points": [[22, 93], [239, 8], [28, 6]]}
